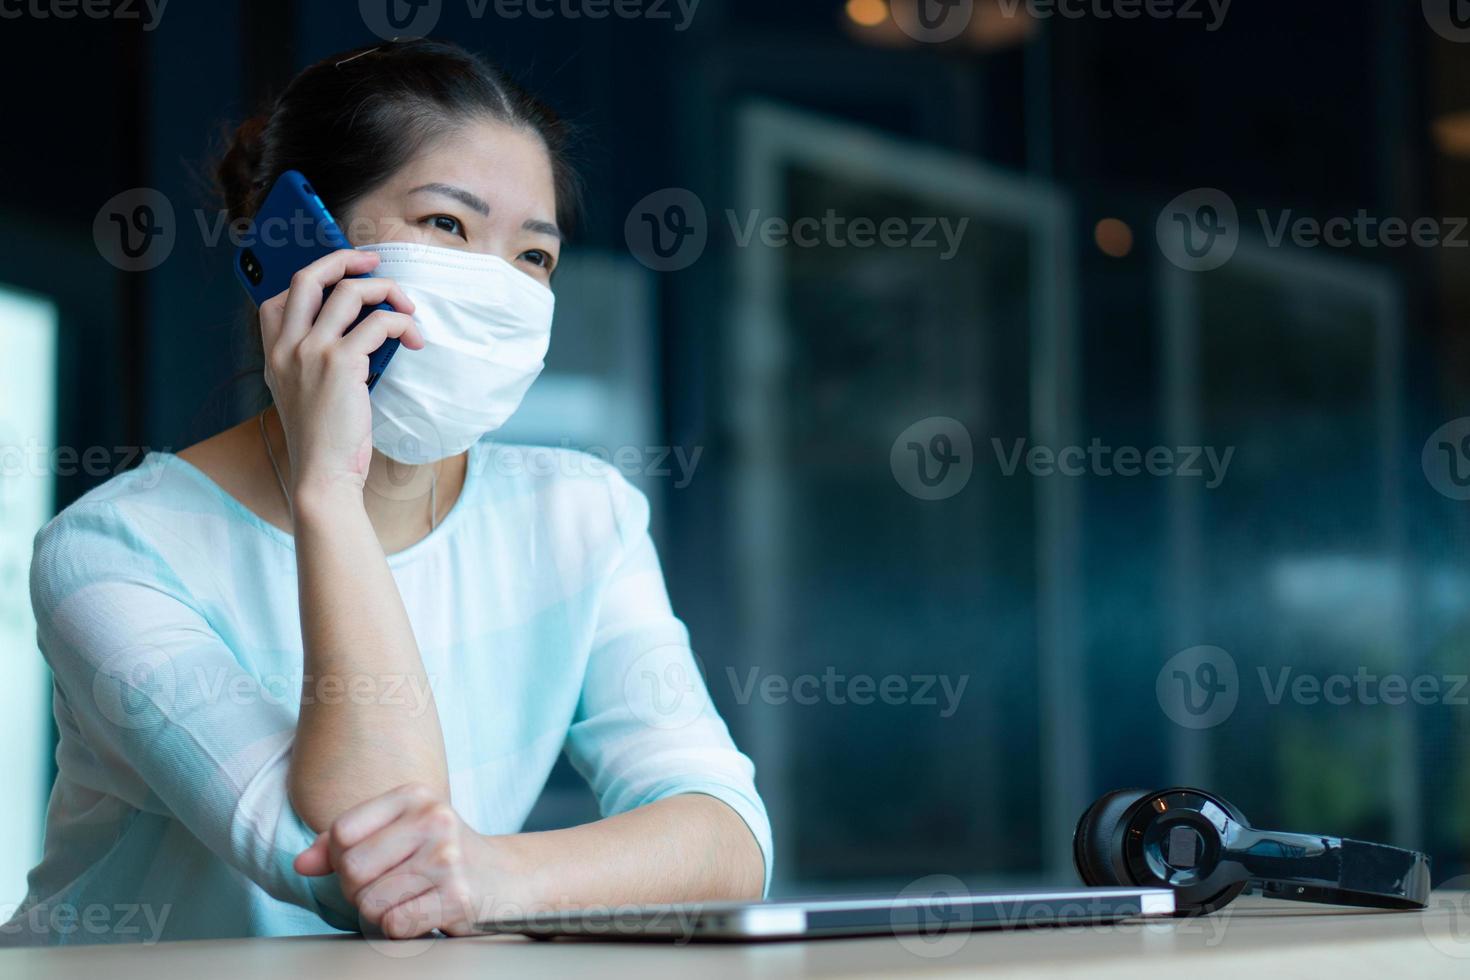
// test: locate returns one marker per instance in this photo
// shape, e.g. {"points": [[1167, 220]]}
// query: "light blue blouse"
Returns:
{"points": [[168, 613]]}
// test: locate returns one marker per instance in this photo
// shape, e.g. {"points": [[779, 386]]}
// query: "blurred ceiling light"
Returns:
{"points": [[867, 13], [1113, 237], [1452, 134], [1001, 25], [993, 24]]}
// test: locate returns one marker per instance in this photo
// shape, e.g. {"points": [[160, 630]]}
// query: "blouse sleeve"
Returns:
{"points": [[174, 723], [645, 728]]}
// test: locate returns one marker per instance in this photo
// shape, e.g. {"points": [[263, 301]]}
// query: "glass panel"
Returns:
{"points": [[28, 335]]}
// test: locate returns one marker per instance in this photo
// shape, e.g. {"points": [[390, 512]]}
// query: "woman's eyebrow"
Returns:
{"points": [[544, 227], [479, 206], [459, 194]]}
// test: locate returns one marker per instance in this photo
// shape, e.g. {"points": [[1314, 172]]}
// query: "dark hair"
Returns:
{"points": [[350, 121]]}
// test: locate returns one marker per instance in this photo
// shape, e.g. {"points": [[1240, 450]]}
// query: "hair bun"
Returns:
{"points": [[238, 175]]}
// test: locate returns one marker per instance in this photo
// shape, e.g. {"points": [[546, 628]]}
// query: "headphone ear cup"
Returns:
{"points": [[1094, 849]]}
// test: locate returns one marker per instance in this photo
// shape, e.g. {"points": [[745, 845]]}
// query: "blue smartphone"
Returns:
{"points": [[292, 229]]}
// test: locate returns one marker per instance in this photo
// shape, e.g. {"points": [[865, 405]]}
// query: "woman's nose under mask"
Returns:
{"points": [[486, 327]]}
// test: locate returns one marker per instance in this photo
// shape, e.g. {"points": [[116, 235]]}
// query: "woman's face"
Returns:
{"points": [[487, 188]]}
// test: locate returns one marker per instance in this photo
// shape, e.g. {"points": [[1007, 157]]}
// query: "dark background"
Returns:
{"points": [[795, 548]]}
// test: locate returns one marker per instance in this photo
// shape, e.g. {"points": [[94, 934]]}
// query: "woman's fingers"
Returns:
{"points": [[422, 913], [271, 313], [371, 862], [357, 824], [380, 325], [362, 821], [401, 858], [316, 860], [304, 298], [402, 883], [348, 300]]}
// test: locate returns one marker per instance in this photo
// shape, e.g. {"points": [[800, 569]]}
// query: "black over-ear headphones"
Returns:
{"points": [[1204, 849]]}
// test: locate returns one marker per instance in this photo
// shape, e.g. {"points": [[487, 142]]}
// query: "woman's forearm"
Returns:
{"points": [[357, 735], [680, 849], [687, 848]]}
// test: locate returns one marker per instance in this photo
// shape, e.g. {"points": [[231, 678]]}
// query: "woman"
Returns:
{"points": [[316, 669]]}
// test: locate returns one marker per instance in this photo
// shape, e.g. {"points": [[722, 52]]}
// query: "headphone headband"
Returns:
{"points": [[1208, 853], [1341, 871]]}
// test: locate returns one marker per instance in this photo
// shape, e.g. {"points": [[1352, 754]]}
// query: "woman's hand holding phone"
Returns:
{"points": [[316, 366]]}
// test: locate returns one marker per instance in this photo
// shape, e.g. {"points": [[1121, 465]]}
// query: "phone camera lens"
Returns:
{"points": [[250, 265]]}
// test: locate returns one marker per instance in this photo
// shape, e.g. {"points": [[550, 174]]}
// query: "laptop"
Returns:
{"points": [[926, 916]]}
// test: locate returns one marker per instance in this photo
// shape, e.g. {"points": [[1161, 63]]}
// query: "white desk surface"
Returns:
{"points": [[1244, 942]]}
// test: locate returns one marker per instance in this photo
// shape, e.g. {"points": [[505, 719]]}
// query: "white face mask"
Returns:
{"points": [[486, 326]]}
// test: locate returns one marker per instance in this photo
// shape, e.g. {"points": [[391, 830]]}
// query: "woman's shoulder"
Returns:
{"points": [[154, 479], [156, 514], [559, 487], [101, 533]]}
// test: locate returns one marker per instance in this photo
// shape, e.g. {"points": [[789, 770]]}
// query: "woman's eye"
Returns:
{"points": [[538, 258], [444, 222]]}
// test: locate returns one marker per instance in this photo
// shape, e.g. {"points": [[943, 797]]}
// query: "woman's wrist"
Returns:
{"points": [[322, 501], [516, 868]]}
